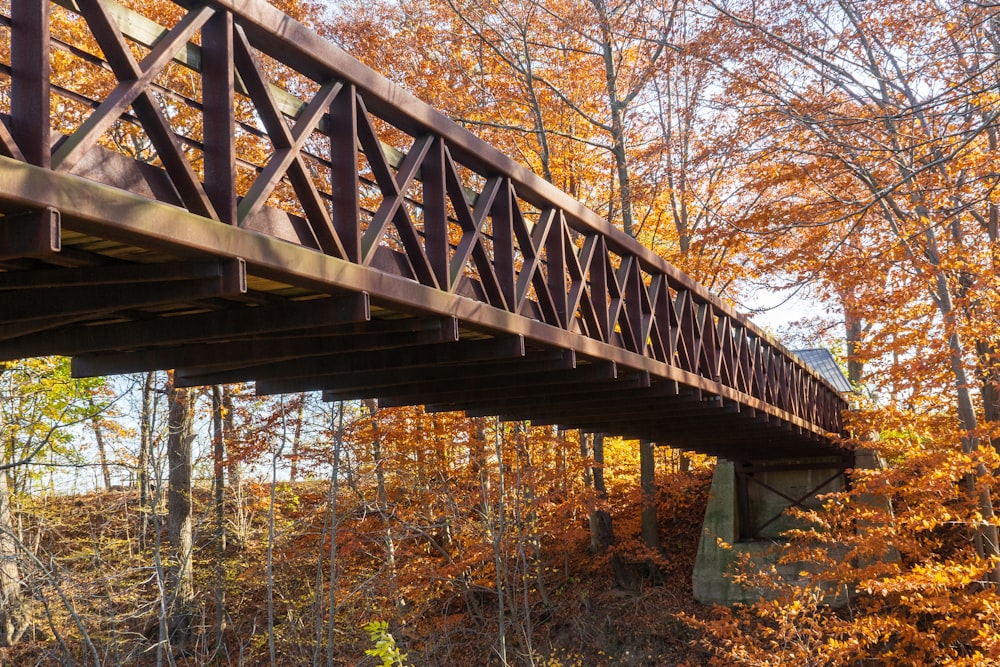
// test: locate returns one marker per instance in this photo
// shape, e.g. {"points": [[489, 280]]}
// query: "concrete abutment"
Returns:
{"points": [[746, 517]]}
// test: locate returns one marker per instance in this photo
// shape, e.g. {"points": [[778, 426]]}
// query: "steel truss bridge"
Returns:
{"points": [[218, 190]]}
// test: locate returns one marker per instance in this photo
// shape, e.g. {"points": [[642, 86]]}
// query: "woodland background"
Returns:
{"points": [[840, 151]]}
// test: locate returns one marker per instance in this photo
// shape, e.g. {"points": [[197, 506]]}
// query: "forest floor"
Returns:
{"points": [[94, 587]]}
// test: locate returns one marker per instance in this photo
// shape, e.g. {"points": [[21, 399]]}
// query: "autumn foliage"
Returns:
{"points": [[420, 532], [892, 572]]}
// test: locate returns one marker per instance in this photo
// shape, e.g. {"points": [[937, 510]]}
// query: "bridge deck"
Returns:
{"points": [[334, 233]]}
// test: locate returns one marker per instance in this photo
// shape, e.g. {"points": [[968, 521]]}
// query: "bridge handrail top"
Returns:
{"points": [[295, 44]]}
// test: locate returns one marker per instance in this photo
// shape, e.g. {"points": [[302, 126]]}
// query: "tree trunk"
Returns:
{"points": [[219, 484], [528, 519], [616, 107], [145, 456], [988, 355], [179, 519], [239, 514], [497, 532], [233, 469], [853, 329], [597, 544], [647, 474], [297, 438], [14, 616], [987, 351], [338, 445], [382, 501], [986, 535], [102, 455], [602, 532], [477, 446]]}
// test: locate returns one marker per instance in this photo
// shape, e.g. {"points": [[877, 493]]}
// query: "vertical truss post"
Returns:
{"points": [[344, 170], [218, 85], [502, 215], [599, 289], [555, 265], [436, 213], [632, 290], [30, 75]]}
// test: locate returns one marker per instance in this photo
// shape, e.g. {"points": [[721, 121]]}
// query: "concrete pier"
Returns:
{"points": [[746, 516]]}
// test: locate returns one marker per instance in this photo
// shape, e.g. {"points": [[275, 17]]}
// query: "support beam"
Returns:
{"points": [[532, 364], [679, 420], [677, 410], [583, 382], [220, 357], [37, 294], [230, 324], [24, 328], [418, 356], [527, 385], [32, 234], [628, 395], [124, 274]]}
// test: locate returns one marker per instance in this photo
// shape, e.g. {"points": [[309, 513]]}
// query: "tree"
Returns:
{"points": [[15, 618], [219, 500], [145, 459], [886, 123], [893, 550], [180, 421], [102, 455], [38, 403]]}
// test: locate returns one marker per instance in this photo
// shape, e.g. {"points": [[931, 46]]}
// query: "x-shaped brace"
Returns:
{"points": [[287, 157], [135, 80]]}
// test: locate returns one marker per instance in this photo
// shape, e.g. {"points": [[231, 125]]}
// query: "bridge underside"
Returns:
{"points": [[123, 284]]}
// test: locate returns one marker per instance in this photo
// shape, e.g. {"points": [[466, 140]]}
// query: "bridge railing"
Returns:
{"points": [[236, 113]]}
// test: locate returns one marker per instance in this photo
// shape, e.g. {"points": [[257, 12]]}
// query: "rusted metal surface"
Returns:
{"points": [[240, 200]]}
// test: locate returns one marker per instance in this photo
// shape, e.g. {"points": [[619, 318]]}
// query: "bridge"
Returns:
{"points": [[222, 192], [218, 190]]}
